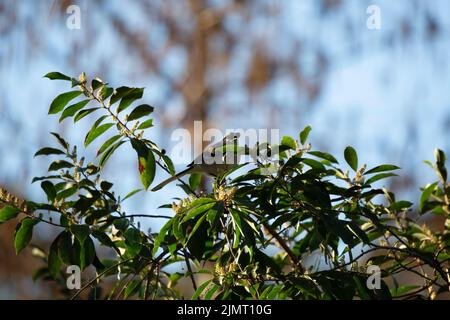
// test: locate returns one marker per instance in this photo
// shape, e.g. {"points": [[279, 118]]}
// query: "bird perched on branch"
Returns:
{"points": [[216, 158]]}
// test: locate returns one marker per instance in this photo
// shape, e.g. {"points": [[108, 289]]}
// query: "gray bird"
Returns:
{"points": [[213, 160]]}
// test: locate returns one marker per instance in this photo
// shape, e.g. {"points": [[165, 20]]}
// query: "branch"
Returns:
{"points": [[285, 247]]}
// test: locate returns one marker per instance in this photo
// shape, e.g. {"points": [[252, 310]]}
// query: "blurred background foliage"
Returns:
{"points": [[231, 64]]}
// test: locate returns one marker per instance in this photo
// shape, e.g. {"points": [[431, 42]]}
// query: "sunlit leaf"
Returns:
{"points": [[83, 113], [95, 132], [48, 151], [351, 157], [380, 176], [140, 111], [426, 195], [49, 189], [71, 110], [304, 134], [80, 231], [7, 213], [129, 98], [57, 76], [146, 162], [59, 164], [24, 233], [146, 124], [382, 168], [108, 143], [62, 100], [289, 142]]}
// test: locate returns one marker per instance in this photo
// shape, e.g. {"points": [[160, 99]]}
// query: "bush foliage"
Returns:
{"points": [[310, 229]]}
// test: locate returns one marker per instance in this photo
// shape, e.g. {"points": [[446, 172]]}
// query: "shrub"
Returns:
{"points": [[253, 235]]}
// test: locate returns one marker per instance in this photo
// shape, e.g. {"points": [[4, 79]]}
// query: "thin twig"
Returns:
{"points": [[191, 274]]}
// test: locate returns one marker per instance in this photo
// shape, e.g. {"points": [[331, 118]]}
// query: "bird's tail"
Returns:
{"points": [[169, 180]]}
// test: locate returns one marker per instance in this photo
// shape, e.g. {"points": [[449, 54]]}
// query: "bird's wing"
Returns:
{"points": [[173, 178], [208, 151]]}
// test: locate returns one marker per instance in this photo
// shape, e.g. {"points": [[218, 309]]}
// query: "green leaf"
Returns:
{"points": [[121, 224], [67, 193], [105, 185], [60, 140], [211, 291], [161, 235], [24, 233], [215, 213], [95, 132], [146, 124], [83, 113], [108, 143], [129, 98], [194, 180], [439, 155], [426, 195], [108, 153], [196, 210], [169, 164], [74, 82], [351, 157], [118, 94], [362, 289], [340, 228], [104, 92], [104, 239], [133, 236], [65, 248], [196, 226], [7, 213], [289, 142], [313, 163], [379, 177], [57, 76], [146, 162], [59, 164], [87, 253], [48, 151], [324, 155], [400, 205], [54, 262], [402, 290], [72, 109], [382, 168], [304, 134], [132, 288], [133, 240], [358, 232], [140, 111], [96, 83], [40, 273], [132, 193], [62, 100], [80, 231], [200, 289], [49, 189], [243, 227], [99, 120], [440, 164]]}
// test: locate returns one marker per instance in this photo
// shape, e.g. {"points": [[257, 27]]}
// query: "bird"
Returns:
{"points": [[213, 160]]}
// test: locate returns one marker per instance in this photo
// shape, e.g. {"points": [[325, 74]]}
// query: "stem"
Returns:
{"points": [[136, 216], [188, 265], [285, 247], [98, 277]]}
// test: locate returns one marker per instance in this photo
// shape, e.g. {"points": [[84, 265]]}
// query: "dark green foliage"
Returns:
{"points": [[257, 229]]}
